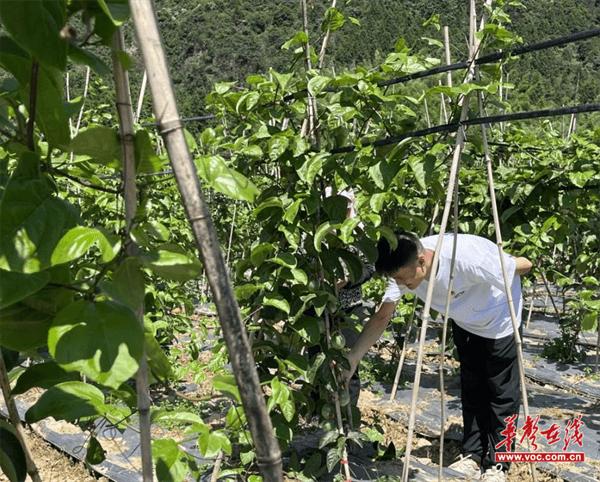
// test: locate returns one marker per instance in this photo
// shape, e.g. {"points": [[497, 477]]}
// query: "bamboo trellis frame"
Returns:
{"points": [[127, 134], [268, 453]]}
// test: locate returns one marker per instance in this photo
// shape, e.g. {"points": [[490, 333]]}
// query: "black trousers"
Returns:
{"points": [[490, 392]]}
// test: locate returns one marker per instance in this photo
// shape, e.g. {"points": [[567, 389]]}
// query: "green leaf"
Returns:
{"points": [[282, 79], [288, 409], [352, 262], [322, 231], [103, 340], [260, 253], [285, 259], [328, 438], [172, 262], [177, 417], [333, 457], [336, 208], [78, 241], [95, 453], [210, 443], [116, 10], [312, 167], [277, 146], [157, 360], [314, 368], [33, 221], [214, 171], [299, 38], [317, 84], [223, 87], [100, 143], [68, 401], [300, 276], [169, 460], [22, 328], [85, 57], [333, 21], [127, 284], [245, 291], [354, 20], [146, 159], [227, 385], [51, 115], [43, 375], [16, 286], [278, 302], [252, 150], [35, 25], [589, 322], [12, 458]]}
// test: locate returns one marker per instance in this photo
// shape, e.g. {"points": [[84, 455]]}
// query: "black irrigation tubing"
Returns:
{"points": [[454, 126]]}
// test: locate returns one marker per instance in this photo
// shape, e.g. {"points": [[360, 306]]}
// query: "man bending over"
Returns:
{"points": [[482, 330]]}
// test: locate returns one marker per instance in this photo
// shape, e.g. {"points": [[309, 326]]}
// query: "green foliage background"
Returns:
{"points": [[215, 40]]}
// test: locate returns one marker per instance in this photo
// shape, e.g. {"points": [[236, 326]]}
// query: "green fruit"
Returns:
{"points": [[327, 411], [338, 341]]}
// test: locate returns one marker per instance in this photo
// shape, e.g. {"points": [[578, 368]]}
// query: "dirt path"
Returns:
{"points": [[54, 465]]}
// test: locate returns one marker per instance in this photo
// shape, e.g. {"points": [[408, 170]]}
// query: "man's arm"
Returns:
{"points": [[370, 334], [523, 266]]}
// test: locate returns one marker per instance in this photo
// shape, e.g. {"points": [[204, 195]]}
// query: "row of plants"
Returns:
{"points": [[69, 291]]}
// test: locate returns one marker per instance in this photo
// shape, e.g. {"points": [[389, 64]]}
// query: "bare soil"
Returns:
{"points": [[54, 465]]}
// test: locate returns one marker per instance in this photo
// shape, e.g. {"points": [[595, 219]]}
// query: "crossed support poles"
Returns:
{"points": [[452, 193]]}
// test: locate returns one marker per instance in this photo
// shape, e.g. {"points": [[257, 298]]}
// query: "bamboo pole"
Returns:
{"points": [[445, 326], [448, 59], [127, 134], [530, 306], [463, 103], [598, 347], [505, 276], [231, 233], [325, 42], [268, 453], [411, 320], [15, 420], [404, 351], [85, 92], [309, 123], [140, 102], [549, 294]]}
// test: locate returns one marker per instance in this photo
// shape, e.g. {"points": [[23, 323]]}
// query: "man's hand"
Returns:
{"points": [[523, 266]]}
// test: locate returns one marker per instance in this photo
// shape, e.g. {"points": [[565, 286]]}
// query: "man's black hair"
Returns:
{"points": [[389, 261]]}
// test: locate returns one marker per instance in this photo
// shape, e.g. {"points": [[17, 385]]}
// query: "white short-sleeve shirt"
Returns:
{"points": [[478, 302]]}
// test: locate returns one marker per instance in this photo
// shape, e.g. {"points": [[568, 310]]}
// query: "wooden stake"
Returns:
{"points": [[268, 453], [130, 200], [15, 420]]}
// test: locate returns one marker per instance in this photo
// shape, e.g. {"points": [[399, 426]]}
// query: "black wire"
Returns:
{"points": [[496, 56], [454, 126]]}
